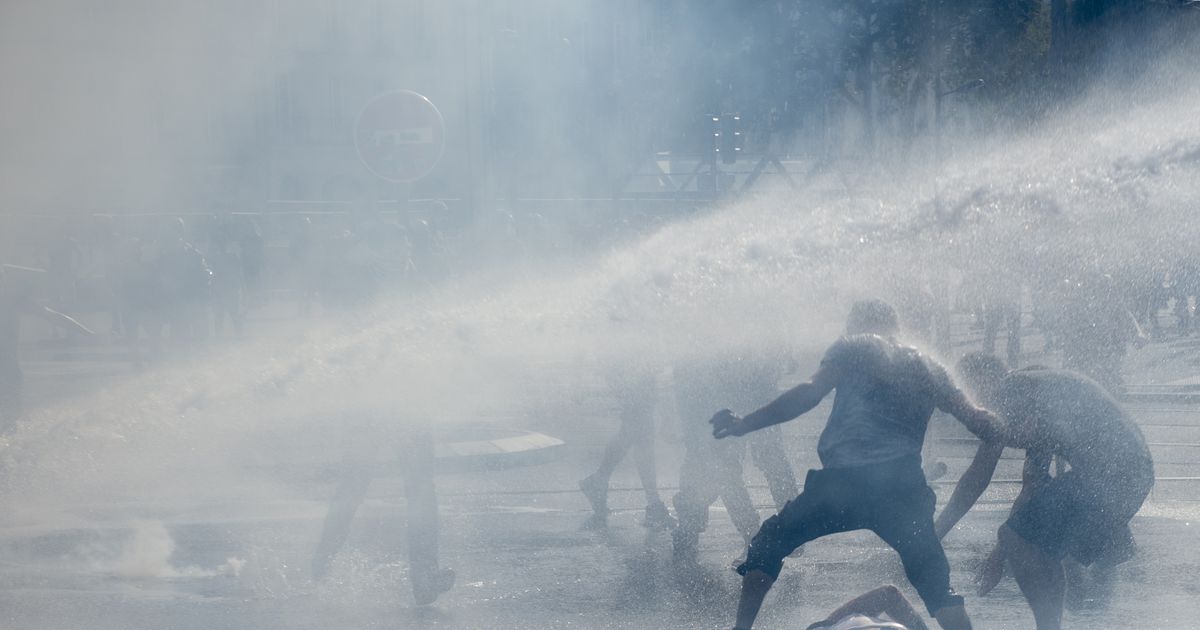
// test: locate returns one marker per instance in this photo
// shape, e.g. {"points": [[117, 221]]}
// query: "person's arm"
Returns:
{"points": [[792, 403], [885, 600], [970, 487], [986, 425], [1035, 472]]}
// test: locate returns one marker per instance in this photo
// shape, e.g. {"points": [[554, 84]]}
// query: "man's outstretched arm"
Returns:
{"points": [[970, 487], [792, 403], [986, 425]]}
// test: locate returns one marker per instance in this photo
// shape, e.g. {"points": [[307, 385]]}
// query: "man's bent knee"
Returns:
{"points": [[767, 550], [764, 556]]}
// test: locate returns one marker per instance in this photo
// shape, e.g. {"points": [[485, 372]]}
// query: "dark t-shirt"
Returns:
{"points": [[1076, 420], [886, 393]]}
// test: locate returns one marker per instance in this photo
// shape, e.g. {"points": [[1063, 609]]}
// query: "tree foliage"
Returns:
{"points": [[785, 63]]}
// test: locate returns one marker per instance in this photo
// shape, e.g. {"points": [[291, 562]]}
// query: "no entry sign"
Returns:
{"points": [[400, 136]]}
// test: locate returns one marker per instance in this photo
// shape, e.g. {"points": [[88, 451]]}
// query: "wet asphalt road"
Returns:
{"points": [[241, 561], [522, 561]]}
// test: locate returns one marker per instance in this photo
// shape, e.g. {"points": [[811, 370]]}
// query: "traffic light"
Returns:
{"points": [[727, 137]]}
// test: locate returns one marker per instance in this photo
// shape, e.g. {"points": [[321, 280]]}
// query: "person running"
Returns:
{"points": [[630, 362], [635, 388], [415, 456], [870, 452], [1084, 512], [883, 608]]}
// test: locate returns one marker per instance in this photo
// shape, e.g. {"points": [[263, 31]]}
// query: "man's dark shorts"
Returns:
{"points": [[1086, 519], [890, 499]]}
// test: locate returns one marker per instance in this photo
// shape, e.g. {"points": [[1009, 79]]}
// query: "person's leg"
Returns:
{"points": [[697, 492], [427, 577], [927, 569], [1040, 577], [1107, 370], [820, 510], [1014, 337], [903, 518], [1061, 517], [351, 490], [636, 407], [642, 427], [755, 586], [734, 494], [237, 314], [991, 326], [1075, 583], [766, 451], [614, 452], [235, 320], [217, 316], [595, 486]]}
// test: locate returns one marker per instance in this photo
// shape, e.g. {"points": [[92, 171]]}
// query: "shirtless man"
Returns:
{"points": [[1083, 512]]}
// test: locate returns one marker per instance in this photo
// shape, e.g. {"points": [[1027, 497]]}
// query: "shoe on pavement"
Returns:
{"points": [[595, 522], [657, 517], [596, 493], [427, 588]]}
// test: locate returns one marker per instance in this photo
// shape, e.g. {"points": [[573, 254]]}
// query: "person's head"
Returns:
{"points": [[981, 373], [872, 317]]}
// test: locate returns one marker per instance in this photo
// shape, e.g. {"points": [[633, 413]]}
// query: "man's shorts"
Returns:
{"points": [[1081, 517], [890, 499]]}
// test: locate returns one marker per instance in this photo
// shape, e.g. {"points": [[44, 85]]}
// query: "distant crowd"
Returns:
{"points": [[1086, 315], [187, 278], [169, 281]]}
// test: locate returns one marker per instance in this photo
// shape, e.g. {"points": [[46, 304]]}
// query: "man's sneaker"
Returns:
{"points": [[684, 549], [657, 517], [427, 588]]}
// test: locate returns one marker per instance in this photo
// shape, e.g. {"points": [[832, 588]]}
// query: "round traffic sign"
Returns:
{"points": [[400, 136]]}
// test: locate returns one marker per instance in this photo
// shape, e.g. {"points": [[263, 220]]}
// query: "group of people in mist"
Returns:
{"points": [[872, 476], [1087, 469], [170, 283]]}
